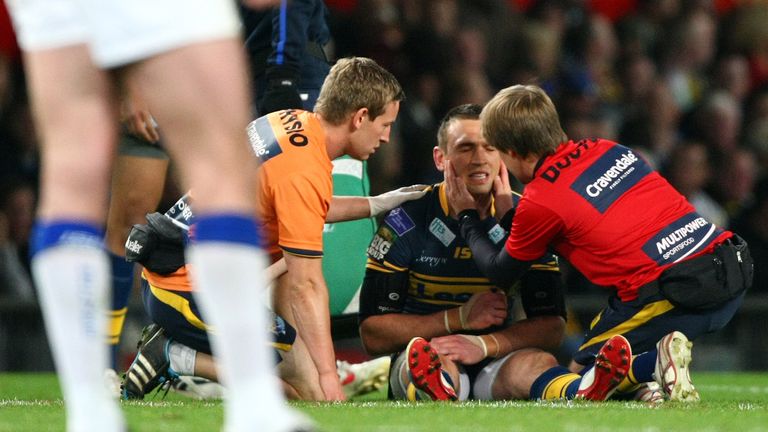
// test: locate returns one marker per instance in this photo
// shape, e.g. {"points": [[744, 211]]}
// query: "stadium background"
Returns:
{"points": [[684, 82]]}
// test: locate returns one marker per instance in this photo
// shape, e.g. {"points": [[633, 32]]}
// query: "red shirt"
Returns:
{"points": [[601, 206]]}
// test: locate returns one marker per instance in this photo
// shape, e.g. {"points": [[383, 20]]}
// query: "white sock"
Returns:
{"points": [[182, 358], [587, 379], [229, 282], [73, 285]]}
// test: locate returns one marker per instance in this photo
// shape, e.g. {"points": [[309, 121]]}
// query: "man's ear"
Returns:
{"points": [[358, 117], [439, 157]]}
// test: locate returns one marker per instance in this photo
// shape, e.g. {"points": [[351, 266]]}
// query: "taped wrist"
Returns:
{"points": [[488, 343], [491, 345], [452, 320]]}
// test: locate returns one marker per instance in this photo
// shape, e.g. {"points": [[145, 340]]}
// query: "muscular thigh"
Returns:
{"points": [[511, 377]]}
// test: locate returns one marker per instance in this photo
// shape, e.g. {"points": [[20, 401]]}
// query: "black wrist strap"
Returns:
{"points": [[506, 220]]}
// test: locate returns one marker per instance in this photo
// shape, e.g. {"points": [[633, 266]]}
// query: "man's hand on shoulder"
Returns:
{"points": [[394, 198]]}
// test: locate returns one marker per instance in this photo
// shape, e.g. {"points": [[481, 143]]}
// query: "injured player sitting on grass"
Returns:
{"points": [[176, 345], [452, 331]]}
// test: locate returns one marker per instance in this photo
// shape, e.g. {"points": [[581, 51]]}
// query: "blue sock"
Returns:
{"points": [[122, 281], [643, 366], [555, 383], [227, 228]]}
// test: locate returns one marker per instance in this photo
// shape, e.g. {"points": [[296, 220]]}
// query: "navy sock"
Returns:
{"points": [[122, 282], [643, 366]]}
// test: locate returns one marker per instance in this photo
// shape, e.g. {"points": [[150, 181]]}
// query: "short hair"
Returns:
{"points": [[354, 83], [522, 118], [463, 112]]}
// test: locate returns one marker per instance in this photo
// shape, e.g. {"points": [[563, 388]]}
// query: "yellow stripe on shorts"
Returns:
{"points": [[647, 313], [180, 304]]}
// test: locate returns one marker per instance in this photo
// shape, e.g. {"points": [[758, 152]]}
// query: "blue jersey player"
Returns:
{"points": [[453, 334]]}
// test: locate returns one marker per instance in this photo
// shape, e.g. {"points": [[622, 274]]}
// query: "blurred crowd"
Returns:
{"points": [[684, 82]]}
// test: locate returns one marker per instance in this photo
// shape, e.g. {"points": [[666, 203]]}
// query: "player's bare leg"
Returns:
{"points": [[71, 102], [203, 112]]}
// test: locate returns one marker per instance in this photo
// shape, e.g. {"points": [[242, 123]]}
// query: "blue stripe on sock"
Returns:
{"points": [[541, 383], [572, 389], [643, 366], [230, 228], [49, 234]]}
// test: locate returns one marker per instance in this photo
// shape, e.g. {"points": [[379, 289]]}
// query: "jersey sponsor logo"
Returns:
{"points": [[440, 230], [379, 247], [262, 139], [394, 296], [680, 239], [614, 173], [497, 234], [293, 128], [181, 213], [424, 292], [399, 221], [552, 172], [431, 261]]}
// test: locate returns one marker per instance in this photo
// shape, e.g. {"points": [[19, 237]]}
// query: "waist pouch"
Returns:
{"points": [[709, 280]]}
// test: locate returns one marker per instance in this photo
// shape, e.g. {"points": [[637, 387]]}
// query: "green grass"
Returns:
{"points": [[730, 402]]}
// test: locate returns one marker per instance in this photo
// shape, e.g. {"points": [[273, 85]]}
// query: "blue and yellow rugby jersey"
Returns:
{"points": [[430, 266]]}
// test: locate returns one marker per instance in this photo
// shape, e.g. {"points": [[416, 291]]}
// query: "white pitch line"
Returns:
{"points": [[28, 403]]}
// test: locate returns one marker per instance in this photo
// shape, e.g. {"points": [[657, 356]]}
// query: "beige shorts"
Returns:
{"points": [[119, 32]]}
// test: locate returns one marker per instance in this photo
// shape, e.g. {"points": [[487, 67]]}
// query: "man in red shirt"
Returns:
{"points": [[601, 207]]}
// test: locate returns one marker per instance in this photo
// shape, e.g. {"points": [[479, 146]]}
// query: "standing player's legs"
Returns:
{"points": [[199, 94], [76, 122], [138, 178]]}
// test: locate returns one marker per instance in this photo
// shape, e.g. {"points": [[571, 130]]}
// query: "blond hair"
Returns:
{"points": [[523, 119], [354, 83]]}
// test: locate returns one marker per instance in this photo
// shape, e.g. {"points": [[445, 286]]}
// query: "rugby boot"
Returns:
{"points": [[361, 378], [426, 371], [672, 371], [612, 365], [197, 388], [650, 393], [152, 365]]}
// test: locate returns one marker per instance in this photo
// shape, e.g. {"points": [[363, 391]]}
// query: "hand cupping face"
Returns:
{"points": [[456, 191]]}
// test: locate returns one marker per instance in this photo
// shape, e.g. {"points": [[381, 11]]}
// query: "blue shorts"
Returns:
{"points": [[178, 314], [645, 321]]}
